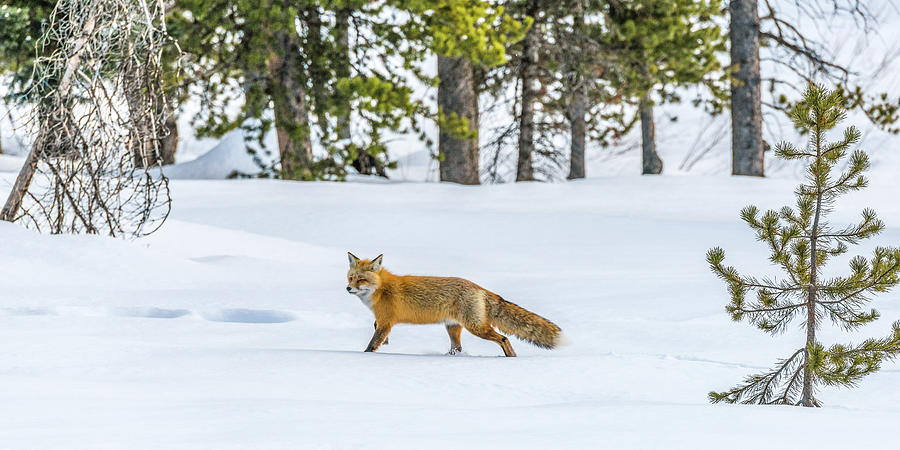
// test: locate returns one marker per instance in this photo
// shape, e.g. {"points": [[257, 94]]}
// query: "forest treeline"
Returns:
{"points": [[343, 76]]}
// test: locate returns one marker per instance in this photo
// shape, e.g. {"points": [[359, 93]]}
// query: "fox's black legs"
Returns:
{"points": [[454, 332], [381, 332], [385, 339]]}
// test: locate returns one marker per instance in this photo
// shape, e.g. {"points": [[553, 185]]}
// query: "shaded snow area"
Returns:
{"points": [[231, 328]]}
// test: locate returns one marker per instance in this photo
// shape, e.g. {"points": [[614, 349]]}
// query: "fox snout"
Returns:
{"points": [[356, 290]]}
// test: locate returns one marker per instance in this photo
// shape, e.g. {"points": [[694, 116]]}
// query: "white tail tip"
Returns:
{"points": [[563, 340]]}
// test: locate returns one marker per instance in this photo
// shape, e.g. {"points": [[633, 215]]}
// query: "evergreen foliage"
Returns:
{"points": [[390, 38], [802, 241], [656, 46], [21, 25], [477, 30], [353, 60]]}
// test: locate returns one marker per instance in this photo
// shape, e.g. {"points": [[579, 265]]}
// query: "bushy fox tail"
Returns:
{"points": [[513, 319]]}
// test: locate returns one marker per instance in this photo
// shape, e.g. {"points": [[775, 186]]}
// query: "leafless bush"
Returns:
{"points": [[98, 121]]}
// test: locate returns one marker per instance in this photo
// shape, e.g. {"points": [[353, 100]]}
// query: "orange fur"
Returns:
{"points": [[453, 301]]}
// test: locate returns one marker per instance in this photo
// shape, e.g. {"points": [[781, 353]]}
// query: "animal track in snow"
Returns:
{"points": [[29, 311], [242, 315], [227, 315], [151, 312]]}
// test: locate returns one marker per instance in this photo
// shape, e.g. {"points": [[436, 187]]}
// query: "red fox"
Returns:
{"points": [[455, 302]]}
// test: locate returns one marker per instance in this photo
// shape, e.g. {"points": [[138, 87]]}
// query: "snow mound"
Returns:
{"points": [[227, 157], [74, 265]]}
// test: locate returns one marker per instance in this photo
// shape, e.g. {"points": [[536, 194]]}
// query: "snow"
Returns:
{"points": [[231, 328], [9, 163], [227, 157]]}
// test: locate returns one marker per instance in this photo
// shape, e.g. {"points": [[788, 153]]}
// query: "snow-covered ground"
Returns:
{"points": [[230, 328]]}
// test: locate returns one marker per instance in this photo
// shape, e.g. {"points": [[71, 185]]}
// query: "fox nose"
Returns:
{"points": [[349, 289]]}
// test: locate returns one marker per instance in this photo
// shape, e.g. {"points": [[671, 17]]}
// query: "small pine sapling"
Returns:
{"points": [[802, 241]]}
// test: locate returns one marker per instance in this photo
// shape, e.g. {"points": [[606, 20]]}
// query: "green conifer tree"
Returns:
{"points": [[802, 241], [350, 58], [656, 46]]}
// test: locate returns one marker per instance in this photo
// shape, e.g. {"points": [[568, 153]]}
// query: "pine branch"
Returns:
{"points": [[879, 279], [847, 317], [760, 389], [792, 389], [770, 311], [840, 365], [870, 226], [787, 151], [852, 179]]}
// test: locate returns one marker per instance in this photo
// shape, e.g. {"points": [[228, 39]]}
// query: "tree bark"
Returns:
{"points": [[288, 93], [578, 127], [17, 194], [746, 94], [317, 61], [456, 94], [578, 103], [528, 77], [168, 145], [651, 162], [342, 69]]}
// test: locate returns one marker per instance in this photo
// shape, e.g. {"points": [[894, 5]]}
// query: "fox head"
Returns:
{"points": [[363, 278]]}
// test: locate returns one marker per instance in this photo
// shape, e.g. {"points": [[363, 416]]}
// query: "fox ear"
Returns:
{"points": [[353, 259], [376, 263]]}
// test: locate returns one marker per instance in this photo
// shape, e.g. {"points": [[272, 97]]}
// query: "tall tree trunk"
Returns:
{"points": [[578, 102], [528, 77], [456, 94], [746, 95], [317, 62], [342, 68], [578, 126], [652, 164], [288, 93]]}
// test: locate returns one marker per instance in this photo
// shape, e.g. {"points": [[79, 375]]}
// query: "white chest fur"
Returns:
{"points": [[366, 299]]}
